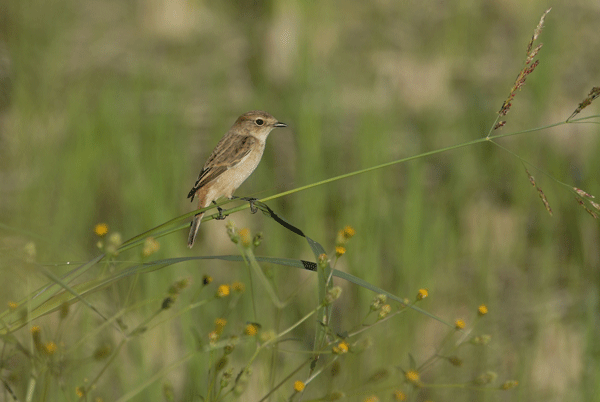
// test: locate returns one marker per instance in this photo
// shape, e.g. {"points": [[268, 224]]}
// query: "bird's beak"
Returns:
{"points": [[279, 124]]}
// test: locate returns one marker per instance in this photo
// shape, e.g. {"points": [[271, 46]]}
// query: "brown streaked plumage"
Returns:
{"points": [[232, 161]]}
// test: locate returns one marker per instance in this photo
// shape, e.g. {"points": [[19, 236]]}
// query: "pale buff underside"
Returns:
{"points": [[225, 185]]}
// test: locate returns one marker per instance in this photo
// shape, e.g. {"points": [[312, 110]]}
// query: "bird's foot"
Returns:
{"points": [[219, 217], [251, 200]]}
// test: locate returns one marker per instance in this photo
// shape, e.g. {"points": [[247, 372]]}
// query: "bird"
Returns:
{"points": [[231, 162]]}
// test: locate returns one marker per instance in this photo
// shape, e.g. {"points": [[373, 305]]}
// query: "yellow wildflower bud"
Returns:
{"points": [[245, 237], [378, 301], [385, 310], [323, 261], [220, 324], [50, 348], [233, 234], [223, 291], [101, 229], [421, 294], [332, 295], [412, 376], [251, 330], [460, 324], [341, 348], [481, 340], [349, 231]]}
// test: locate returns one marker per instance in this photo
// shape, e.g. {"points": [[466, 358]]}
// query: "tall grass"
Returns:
{"points": [[113, 107]]}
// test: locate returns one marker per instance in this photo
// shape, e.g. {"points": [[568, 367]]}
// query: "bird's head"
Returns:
{"points": [[257, 123]]}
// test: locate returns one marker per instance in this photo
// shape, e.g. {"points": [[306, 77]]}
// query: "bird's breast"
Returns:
{"points": [[233, 177]]}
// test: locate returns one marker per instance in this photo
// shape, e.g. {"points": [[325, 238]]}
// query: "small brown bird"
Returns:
{"points": [[232, 161]]}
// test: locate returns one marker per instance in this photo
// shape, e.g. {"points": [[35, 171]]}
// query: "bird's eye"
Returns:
{"points": [[260, 122]]}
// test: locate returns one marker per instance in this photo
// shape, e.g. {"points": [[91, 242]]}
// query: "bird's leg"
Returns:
{"points": [[250, 200], [220, 217]]}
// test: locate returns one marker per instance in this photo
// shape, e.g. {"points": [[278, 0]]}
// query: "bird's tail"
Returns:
{"points": [[194, 229]]}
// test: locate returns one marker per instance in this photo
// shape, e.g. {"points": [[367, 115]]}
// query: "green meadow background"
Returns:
{"points": [[108, 110]]}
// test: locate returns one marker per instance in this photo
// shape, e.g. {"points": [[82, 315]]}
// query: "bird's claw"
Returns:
{"points": [[220, 217], [253, 208]]}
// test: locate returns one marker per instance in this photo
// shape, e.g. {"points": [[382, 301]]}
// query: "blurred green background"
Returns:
{"points": [[108, 110]]}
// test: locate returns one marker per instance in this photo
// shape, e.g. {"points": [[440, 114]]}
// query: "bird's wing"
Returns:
{"points": [[230, 151]]}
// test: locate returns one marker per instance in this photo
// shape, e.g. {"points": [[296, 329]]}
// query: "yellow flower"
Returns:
{"points": [[371, 398], [12, 305], [223, 291], [299, 386], [250, 330], [80, 392], [340, 251], [422, 293], [413, 377], [460, 324], [245, 237], [341, 348], [482, 310], [50, 348], [399, 396], [220, 324], [349, 231], [101, 229]]}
